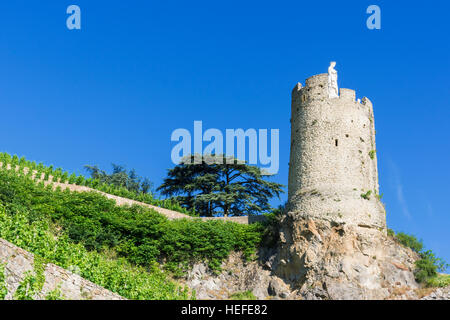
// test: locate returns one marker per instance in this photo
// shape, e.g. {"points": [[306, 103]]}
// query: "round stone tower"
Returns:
{"points": [[333, 165], [333, 242]]}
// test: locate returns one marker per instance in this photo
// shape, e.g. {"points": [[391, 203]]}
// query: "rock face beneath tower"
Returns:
{"points": [[322, 259], [333, 241]]}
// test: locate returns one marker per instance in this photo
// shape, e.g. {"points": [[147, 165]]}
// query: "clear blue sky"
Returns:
{"points": [[115, 90]]}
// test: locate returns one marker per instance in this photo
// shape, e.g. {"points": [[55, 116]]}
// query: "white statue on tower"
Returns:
{"points": [[333, 91]]}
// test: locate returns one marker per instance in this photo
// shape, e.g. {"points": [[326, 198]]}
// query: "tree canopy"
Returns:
{"points": [[219, 185], [121, 178]]}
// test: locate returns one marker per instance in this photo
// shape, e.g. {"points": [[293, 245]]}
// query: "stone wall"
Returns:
{"points": [[17, 262]]}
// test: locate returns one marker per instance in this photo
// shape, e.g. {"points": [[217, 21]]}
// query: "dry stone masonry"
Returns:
{"points": [[333, 165], [19, 263]]}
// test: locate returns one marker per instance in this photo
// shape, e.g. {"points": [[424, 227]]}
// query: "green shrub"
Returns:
{"points": [[246, 295], [28, 287], [410, 241], [18, 226], [428, 265], [55, 295], [441, 280], [79, 180], [170, 204], [3, 289], [426, 269], [72, 178], [390, 232]]}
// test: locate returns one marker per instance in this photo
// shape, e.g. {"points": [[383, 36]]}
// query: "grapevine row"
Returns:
{"points": [[43, 173]]}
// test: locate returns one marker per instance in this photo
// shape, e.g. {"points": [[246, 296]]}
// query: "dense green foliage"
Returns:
{"points": [[114, 186], [428, 265], [140, 235], [121, 178], [410, 241], [33, 282], [21, 227], [246, 295], [218, 185]]}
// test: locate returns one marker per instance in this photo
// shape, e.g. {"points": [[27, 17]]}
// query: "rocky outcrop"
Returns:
{"points": [[57, 282], [326, 260], [317, 260]]}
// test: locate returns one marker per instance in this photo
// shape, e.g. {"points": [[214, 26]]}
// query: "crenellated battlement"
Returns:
{"points": [[316, 88], [317, 80]]}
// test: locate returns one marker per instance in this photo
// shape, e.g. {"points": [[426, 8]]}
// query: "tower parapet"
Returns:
{"points": [[333, 166], [347, 94]]}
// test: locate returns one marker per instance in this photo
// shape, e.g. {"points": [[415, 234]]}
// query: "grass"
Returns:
{"points": [[441, 280], [245, 295]]}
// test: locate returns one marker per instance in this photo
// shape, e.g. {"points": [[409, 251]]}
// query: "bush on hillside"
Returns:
{"points": [[428, 265]]}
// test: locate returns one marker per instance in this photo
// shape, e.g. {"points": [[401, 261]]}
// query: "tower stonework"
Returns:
{"points": [[333, 165]]}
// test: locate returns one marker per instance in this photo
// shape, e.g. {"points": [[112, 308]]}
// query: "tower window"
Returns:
{"points": [[336, 142]]}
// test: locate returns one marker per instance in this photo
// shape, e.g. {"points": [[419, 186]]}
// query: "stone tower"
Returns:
{"points": [[333, 242], [333, 165]]}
